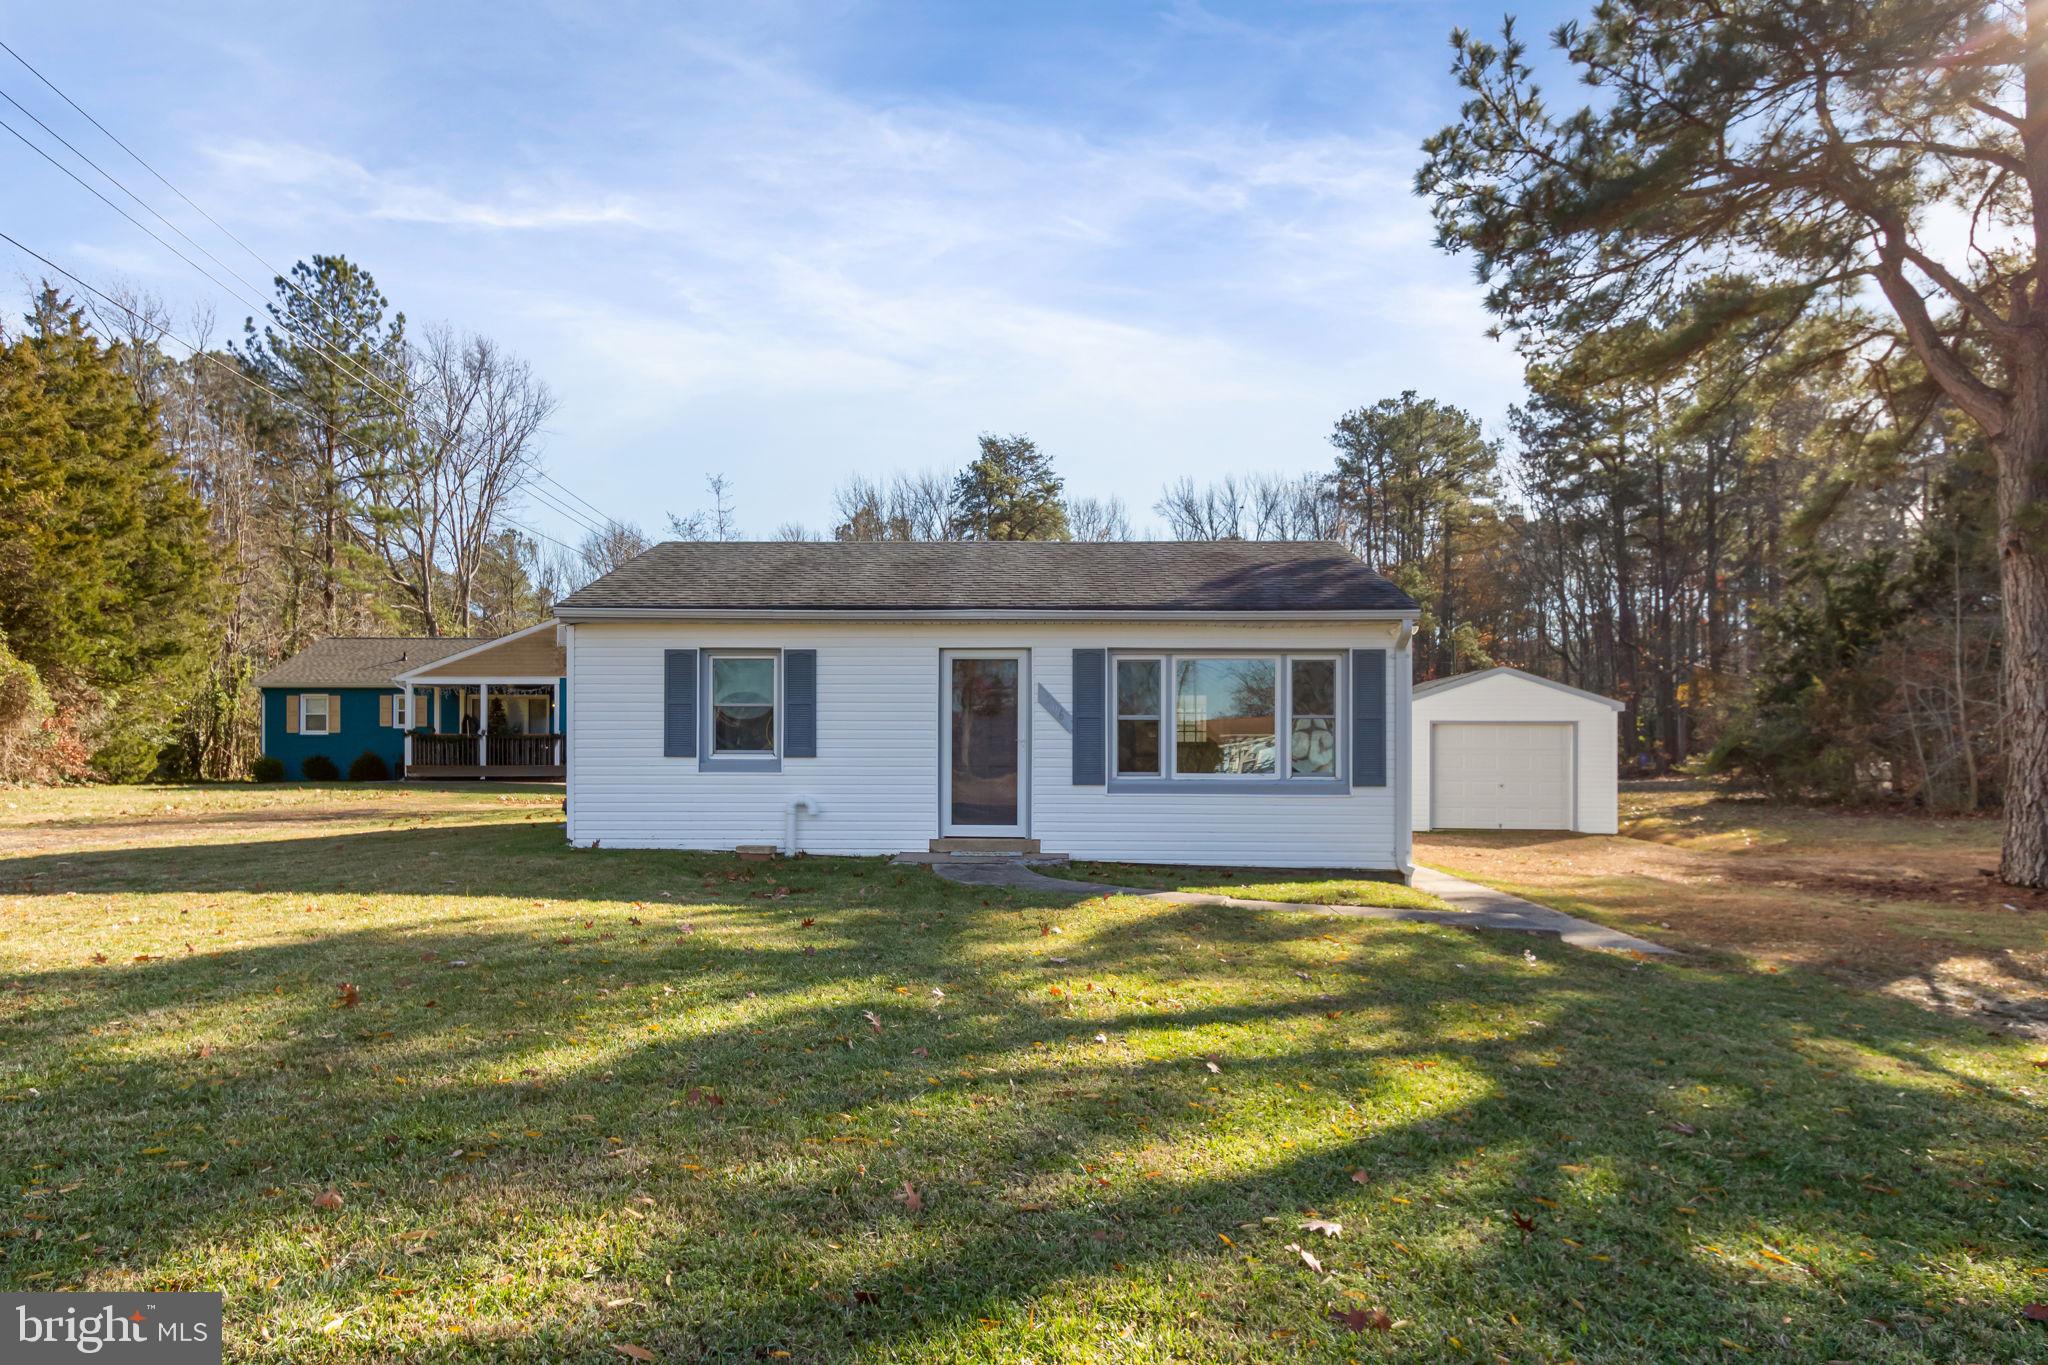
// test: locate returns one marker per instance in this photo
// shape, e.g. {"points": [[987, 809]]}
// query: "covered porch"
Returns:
{"points": [[495, 711]]}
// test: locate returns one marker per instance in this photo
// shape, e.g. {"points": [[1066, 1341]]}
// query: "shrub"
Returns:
{"points": [[369, 767], [267, 769], [319, 768]]}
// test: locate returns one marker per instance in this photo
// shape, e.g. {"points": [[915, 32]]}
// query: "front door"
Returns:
{"points": [[983, 773]]}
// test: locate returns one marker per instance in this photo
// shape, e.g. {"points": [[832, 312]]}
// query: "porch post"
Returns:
{"points": [[483, 726], [410, 724], [557, 726]]}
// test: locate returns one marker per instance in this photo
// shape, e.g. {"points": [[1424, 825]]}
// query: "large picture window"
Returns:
{"points": [[1226, 717], [743, 704]]}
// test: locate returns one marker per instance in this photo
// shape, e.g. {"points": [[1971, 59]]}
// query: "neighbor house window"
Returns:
{"points": [[313, 717], [1226, 716], [743, 704], [1140, 715], [1312, 717]]}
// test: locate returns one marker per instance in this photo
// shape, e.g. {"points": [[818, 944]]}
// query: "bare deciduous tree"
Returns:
{"points": [[1099, 519]]}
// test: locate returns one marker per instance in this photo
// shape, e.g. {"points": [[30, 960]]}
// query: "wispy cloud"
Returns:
{"points": [[754, 254]]}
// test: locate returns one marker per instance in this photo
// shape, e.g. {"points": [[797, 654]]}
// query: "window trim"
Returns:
{"points": [[710, 760], [1280, 782], [1116, 716], [327, 726]]}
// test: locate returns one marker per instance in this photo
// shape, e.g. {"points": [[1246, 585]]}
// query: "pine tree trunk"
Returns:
{"points": [[2022, 450]]}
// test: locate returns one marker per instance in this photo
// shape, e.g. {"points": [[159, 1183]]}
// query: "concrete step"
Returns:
{"points": [[912, 859], [966, 845]]}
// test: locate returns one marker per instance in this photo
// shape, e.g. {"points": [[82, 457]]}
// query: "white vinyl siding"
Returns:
{"points": [[877, 773], [1502, 700]]}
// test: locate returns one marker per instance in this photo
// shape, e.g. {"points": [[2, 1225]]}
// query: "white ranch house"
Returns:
{"points": [[1219, 703]]}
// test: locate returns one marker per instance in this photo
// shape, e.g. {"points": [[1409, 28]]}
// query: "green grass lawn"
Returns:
{"points": [[1310, 886], [838, 1110]]}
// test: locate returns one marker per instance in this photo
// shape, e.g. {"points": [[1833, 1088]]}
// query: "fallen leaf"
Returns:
{"points": [[1360, 1178], [349, 997], [2035, 1312], [911, 1199], [874, 1020], [1362, 1319], [327, 1199], [1683, 1129], [1324, 1226], [1524, 1222], [1307, 1257], [628, 1349]]}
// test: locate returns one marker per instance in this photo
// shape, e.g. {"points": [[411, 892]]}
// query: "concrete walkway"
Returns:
{"points": [[1477, 907]]}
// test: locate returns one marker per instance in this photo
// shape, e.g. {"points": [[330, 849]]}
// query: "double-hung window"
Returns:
{"points": [[1226, 717], [742, 705], [313, 714], [1140, 698]]}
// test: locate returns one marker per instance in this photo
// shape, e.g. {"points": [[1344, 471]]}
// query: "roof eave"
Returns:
{"points": [[575, 615]]}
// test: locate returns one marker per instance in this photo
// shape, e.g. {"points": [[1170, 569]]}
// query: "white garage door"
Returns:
{"points": [[1501, 776]]}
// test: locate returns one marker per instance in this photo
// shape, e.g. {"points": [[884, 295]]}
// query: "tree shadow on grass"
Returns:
{"points": [[493, 1127]]}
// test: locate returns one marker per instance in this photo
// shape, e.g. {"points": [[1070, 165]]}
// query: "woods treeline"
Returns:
{"points": [[1774, 579], [176, 517], [1776, 576]]}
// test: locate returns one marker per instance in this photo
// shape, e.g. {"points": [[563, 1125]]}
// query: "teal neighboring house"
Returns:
{"points": [[430, 708]]}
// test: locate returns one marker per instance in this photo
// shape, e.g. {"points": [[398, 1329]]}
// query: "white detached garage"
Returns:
{"points": [[1504, 749]]}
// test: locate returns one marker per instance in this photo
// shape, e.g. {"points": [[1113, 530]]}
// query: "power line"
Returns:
{"points": [[341, 360], [554, 505]]}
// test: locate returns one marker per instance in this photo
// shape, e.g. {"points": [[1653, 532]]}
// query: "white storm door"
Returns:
{"points": [[984, 767]]}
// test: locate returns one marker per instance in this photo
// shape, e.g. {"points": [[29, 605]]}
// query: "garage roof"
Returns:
{"points": [[1437, 685]]}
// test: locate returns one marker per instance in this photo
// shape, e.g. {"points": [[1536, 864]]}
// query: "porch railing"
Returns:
{"points": [[521, 751], [484, 751], [431, 751]]}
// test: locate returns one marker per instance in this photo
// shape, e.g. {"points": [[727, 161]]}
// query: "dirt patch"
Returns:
{"points": [[1965, 885], [1903, 907]]}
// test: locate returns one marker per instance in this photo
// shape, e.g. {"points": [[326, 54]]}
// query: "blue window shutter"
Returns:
{"points": [[679, 703], [1368, 718], [800, 703], [1091, 669]]}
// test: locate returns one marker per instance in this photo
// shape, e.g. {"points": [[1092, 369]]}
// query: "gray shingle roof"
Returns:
{"points": [[361, 661], [1191, 576]]}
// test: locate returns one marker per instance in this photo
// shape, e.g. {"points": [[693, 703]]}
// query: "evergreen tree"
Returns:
{"points": [[1827, 148], [105, 572], [1010, 492], [1412, 477], [336, 446]]}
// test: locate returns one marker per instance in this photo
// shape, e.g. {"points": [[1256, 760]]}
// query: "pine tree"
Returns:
{"points": [[1011, 492], [105, 572]]}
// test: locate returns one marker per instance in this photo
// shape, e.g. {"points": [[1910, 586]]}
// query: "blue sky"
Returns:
{"points": [[785, 241]]}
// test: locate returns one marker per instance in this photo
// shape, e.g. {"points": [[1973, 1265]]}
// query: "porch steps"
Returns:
{"points": [[1005, 847], [915, 859]]}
